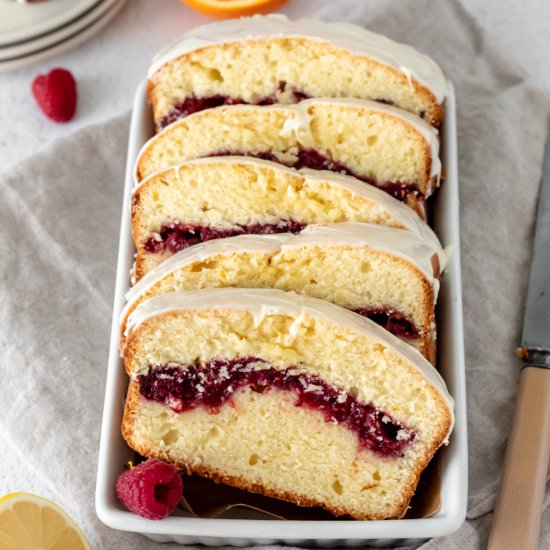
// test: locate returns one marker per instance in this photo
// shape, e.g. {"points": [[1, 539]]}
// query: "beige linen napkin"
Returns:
{"points": [[59, 222]]}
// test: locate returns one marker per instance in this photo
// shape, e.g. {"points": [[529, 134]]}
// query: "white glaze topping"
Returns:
{"points": [[397, 242], [262, 303], [353, 38], [299, 119]]}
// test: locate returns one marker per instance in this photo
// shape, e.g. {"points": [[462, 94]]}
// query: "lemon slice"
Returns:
{"points": [[30, 522], [233, 8]]}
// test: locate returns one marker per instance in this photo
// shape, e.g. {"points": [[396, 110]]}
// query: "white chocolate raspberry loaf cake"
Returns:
{"points": [[226, 196], [388, 275], [378, 144], [284, 395], [266, 60]]}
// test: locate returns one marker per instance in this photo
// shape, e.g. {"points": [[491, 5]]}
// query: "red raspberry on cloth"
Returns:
{"points": [[151, 490], [55, 94]]}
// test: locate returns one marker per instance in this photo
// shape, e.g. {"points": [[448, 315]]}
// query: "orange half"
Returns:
{"points": [[233, 8]]}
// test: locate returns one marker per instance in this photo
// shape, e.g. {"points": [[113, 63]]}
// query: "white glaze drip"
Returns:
{"points": [[263, 303], [346, 36], [397, 242]]}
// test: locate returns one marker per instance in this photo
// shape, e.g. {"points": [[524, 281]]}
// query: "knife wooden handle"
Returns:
{"points": [[516, 523]]}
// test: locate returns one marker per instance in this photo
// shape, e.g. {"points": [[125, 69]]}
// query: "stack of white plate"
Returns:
{"points": [[30, 31]]}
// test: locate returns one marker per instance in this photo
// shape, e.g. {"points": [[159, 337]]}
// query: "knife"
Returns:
{"points": [[516, 523]]}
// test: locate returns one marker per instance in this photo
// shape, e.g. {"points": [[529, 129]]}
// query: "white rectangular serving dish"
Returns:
{"points": [[114, 452]]}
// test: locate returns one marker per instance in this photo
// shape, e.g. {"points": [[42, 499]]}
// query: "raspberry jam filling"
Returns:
{"points": [[174, 237], [393, 321], [194, 104], [212, 385]]}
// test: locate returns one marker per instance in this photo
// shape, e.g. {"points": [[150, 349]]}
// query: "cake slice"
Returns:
{"points": [[226, 196], [378, 144], [389, 275], [265, 60], [284, 395]]}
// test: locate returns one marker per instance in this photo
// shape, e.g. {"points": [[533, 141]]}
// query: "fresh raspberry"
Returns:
{"points": [[55, 94], [151, 490]]}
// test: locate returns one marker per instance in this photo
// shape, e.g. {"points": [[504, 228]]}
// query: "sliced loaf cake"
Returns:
{"points": [[284, 395], [265, 60]]}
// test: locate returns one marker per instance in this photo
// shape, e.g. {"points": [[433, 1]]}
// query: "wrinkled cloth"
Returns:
{"points": [[59, 224]]}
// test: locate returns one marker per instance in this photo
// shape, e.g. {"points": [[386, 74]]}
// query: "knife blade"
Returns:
{"points": [[516, 523], [536, 325]]}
